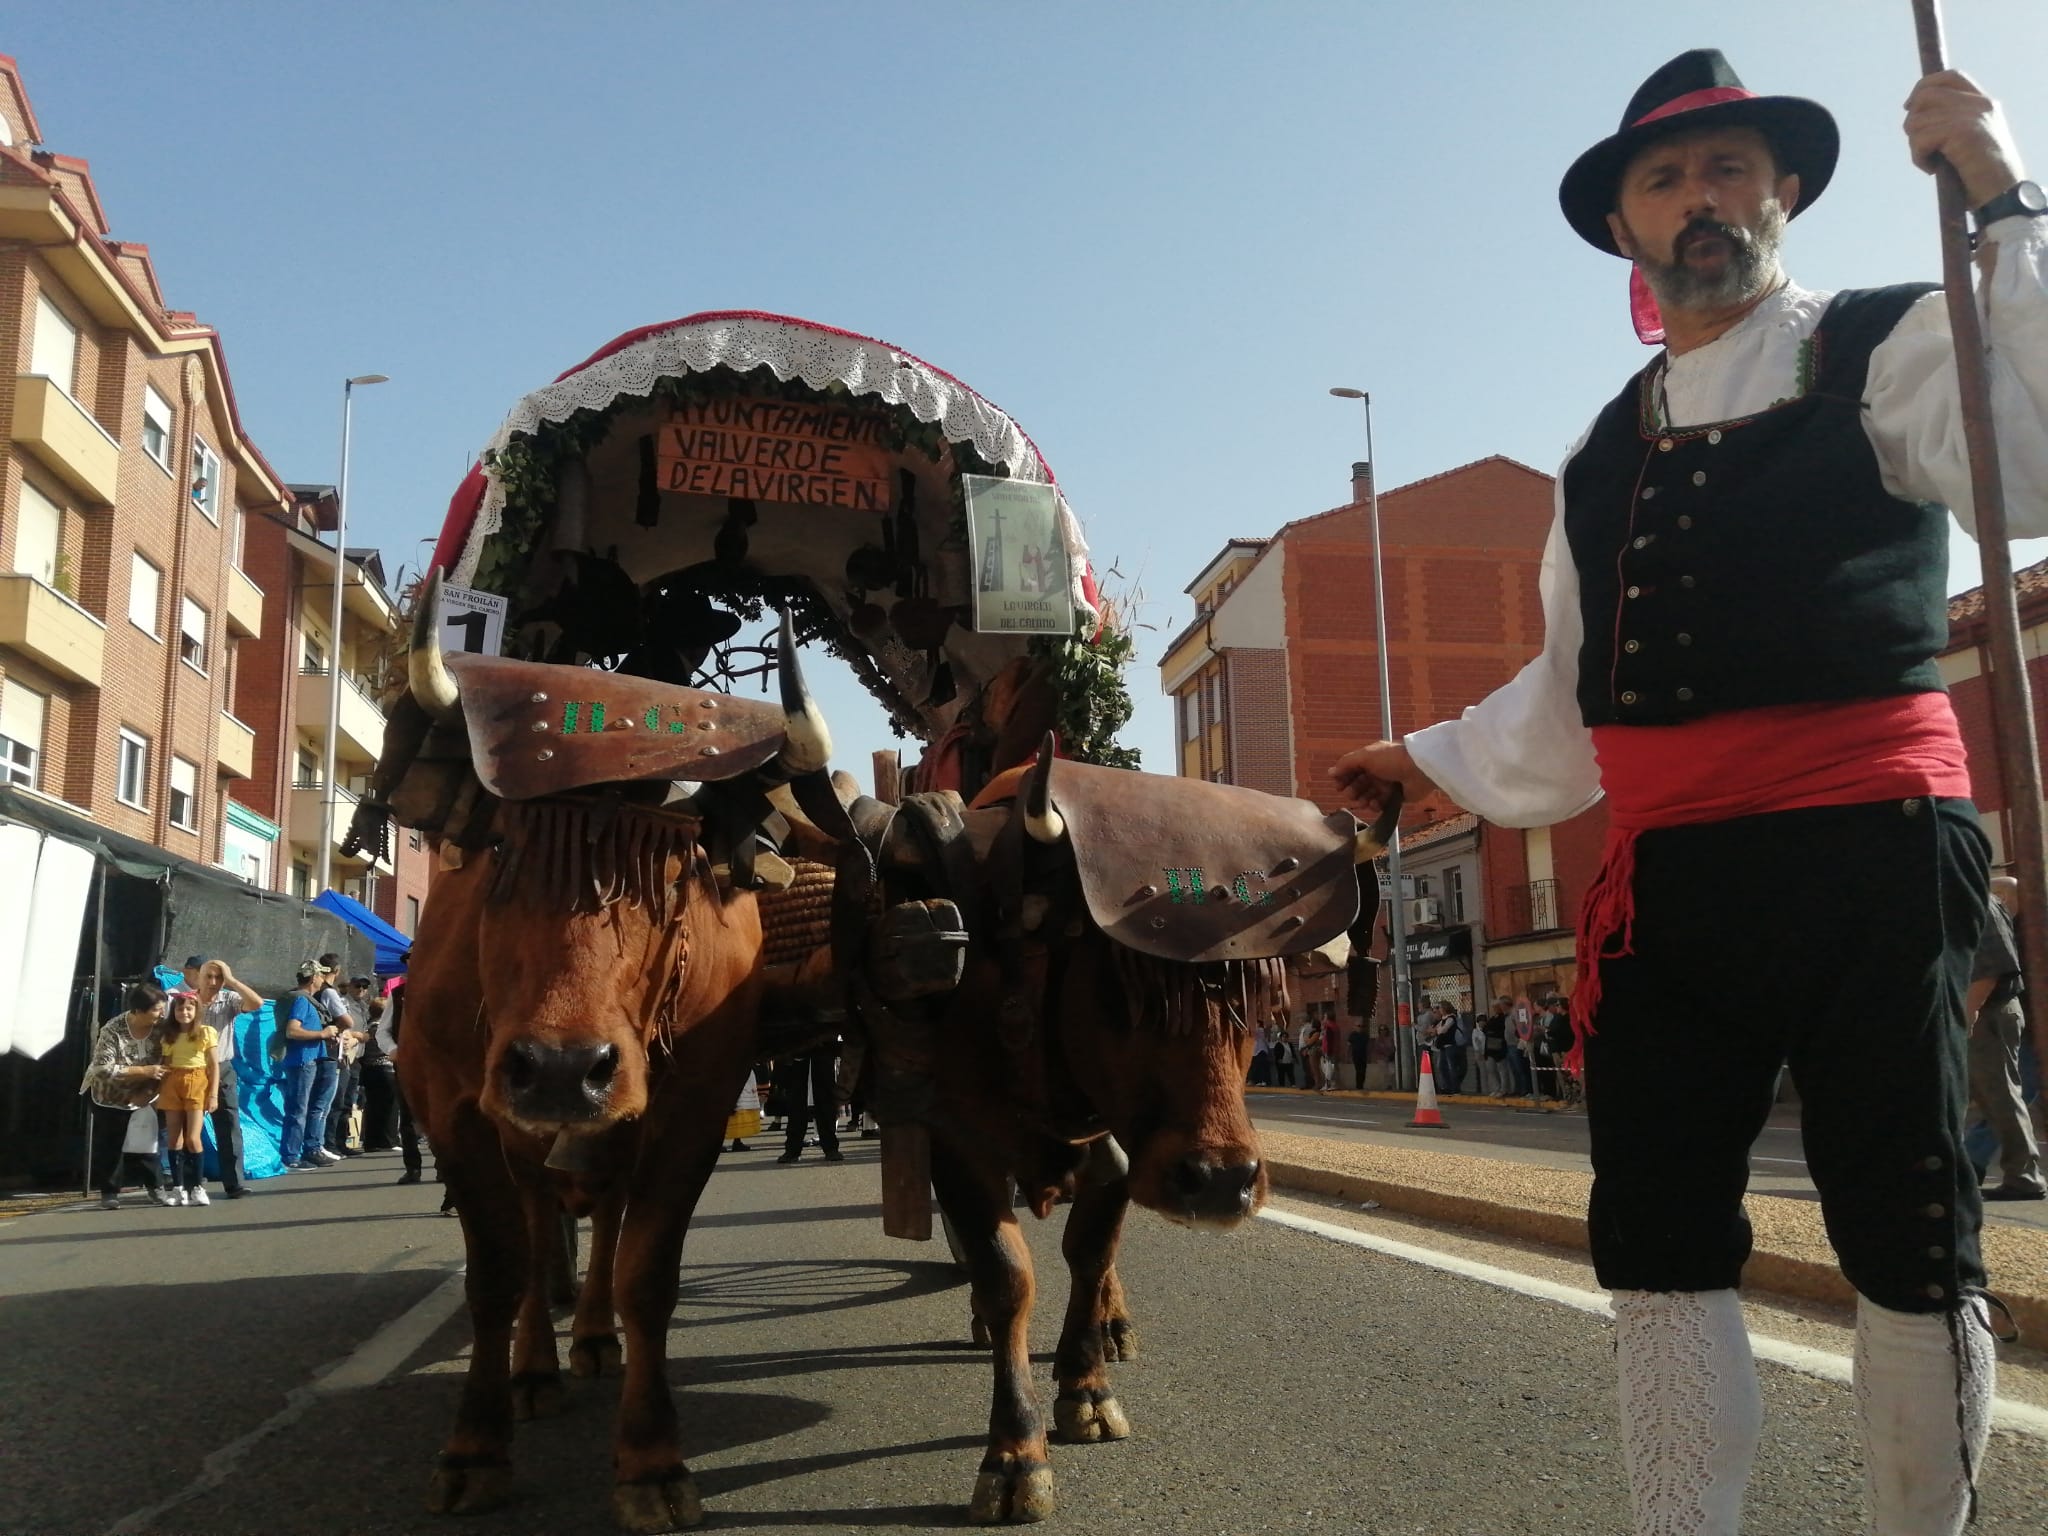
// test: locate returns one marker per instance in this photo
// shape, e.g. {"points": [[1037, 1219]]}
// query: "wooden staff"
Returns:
{"points": [[2012, 702]]}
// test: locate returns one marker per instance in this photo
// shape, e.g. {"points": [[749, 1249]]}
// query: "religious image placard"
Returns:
{"points": [[1020, 559], [808, 453]]}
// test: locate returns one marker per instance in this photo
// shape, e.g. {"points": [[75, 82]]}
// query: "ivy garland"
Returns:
{"points": [[1087, 672]]}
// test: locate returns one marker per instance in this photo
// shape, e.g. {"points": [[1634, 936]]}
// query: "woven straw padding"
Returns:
{"points": [[797, 921]]}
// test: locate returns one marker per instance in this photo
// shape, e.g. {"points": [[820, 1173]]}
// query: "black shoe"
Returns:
{"points": [[835, 1156], [410, 1176], [738, 1146], [2014, 1192], [240, 1191], [790, 1157]]}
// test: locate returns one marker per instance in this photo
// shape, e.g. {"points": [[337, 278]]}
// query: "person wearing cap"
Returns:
{"points": [[1744, 594], [308, 1073]]}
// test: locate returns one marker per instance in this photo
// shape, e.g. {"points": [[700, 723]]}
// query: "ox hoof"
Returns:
{"points": [[463, 1487], [1014, 1492], [667, 1503], [1087, 1415], [538, 1396], [595, 1356], [1119, 1339], [978, 1334]]}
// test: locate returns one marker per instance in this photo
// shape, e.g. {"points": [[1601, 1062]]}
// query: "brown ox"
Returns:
{"points": [[581, 1013], [1125, 997]]}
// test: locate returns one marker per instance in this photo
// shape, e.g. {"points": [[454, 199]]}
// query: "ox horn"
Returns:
{"points": [[427, 675], [1375, 839], [1041, 820], [807, 747]]}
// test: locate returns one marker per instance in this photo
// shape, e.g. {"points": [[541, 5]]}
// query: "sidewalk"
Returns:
{"points": [[1548, 1205]]}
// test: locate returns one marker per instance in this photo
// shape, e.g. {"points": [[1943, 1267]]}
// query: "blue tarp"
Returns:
{"points": [[392, 946]]}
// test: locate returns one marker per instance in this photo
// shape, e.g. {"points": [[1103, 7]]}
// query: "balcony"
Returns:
{"points": [[57, 430], [362, 722], [235, 748], [47, 625], [303, 826], [245, 606], [1532, 908]]}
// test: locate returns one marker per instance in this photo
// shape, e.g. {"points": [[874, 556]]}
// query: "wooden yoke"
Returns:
{"points": [[537, 729], [1190, 871]]}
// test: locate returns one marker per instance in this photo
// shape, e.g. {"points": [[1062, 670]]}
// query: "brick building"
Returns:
{"points": [[129, 496], [1965, 666]]}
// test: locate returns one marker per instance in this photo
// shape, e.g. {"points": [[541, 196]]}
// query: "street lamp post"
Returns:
{"points": [[1399, 915], [330, 789]]}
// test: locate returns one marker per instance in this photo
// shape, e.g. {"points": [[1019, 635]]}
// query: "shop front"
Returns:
{"points": [[1440, 967], [1532, 969]]}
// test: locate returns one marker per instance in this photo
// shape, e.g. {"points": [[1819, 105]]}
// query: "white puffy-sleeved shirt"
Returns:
{"points": [[1521, 757]]}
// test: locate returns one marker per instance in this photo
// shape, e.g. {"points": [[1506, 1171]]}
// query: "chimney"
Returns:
{"points": [[1361, 482]]}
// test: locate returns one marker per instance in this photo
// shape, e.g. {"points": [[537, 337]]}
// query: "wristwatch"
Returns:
{"points": [[2024, 198]]}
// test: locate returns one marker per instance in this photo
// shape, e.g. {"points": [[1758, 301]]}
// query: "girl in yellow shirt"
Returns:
{"points": [[190, 1091]]}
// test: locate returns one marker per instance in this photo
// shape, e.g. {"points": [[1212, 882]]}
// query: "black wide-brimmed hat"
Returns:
{"points": [[1698, 90]]}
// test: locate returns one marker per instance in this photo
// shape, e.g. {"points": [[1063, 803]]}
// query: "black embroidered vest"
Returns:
{"points": [[1745, 563]]}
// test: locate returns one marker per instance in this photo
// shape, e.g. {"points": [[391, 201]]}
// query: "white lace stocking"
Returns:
{"points": [[1924, 1384], [1691, 1409]]}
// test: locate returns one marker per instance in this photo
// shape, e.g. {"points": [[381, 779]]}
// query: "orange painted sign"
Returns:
{"points": [[778, 450]]}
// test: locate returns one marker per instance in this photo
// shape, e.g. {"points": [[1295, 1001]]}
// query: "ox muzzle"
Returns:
{"points": [[1202, 1191], [558, 1085]]}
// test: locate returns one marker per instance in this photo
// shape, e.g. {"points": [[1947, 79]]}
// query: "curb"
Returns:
{"points": [[1777, 1274]]}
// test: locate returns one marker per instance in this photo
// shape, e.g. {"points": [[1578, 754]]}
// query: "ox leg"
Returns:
{"points": [[653, 1489], [1015, 1484], [474, 1472], [1119, 1332], [593, 1338], [1086, 1409], [537, 1391]]}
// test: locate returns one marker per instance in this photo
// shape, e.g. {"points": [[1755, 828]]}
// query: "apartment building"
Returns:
{"points": [[289, 675], [134, 513]]}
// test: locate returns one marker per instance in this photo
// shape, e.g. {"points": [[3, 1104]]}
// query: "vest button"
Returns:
{"points": [[1685, 695], [1936, 1211], [1936, 1292], [1936, 1251], [1684, 521], [1664, 445], [1714, 436], [1911, 807], [1699, 477], [1632, 646], [1642, 541], [1685, 639], [1931, 1164], [1628, 696], [1649, 493], [1635, 591], [1686, 582]]}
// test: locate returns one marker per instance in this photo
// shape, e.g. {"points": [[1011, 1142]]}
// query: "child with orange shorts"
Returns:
{"points": [[189, 1093]]}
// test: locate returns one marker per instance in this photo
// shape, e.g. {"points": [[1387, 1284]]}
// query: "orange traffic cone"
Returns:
{"points": [[1426, 1113]]}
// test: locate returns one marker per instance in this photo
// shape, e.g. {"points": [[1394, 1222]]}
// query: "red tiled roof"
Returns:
{"points": [[1437, 831], [2032, 583]]}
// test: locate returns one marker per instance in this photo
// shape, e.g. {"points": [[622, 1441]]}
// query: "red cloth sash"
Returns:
{"points": [[1787, 757]]}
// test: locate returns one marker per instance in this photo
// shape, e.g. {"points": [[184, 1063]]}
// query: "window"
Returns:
{"points": [[192, 636], [308, 771], [35, 536], [55, 353], [315, 658], [205, 480], [21, 734], [1454, 896], [302, 881], [412, 914], [156, 426], [1190, 715], [131, 785], [184, 795], [145, 585], [1215, 681], [252, 868]]}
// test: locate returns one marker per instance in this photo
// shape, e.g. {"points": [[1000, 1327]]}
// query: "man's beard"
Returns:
{"points": [[1751, 267]]}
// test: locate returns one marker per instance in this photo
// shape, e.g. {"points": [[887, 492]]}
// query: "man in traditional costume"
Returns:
{"points": [[1744, 592]]}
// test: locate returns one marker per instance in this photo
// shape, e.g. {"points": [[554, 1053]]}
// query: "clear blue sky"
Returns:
{"points": [[1155, 233]]}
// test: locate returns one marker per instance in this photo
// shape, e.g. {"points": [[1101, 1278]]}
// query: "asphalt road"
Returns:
{"points": [[161, 1366]]}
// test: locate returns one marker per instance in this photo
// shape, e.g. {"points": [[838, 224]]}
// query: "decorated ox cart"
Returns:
{"points": [[1052, 962]]}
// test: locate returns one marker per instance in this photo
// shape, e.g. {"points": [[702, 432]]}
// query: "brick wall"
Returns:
{"points": [[1258, 719]]}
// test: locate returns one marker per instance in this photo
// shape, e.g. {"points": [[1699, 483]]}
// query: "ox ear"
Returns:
{"points": [[1042, 819], [426, 674], [1375, 839]]}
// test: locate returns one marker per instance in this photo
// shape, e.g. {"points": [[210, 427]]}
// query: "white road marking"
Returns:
{"points": [[1796, 1162], [1326, 1120], [377, 1357], [2023, 1418]]}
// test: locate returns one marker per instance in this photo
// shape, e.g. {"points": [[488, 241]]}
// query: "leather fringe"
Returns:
{"points": [[586, 855], [1176, 998]]}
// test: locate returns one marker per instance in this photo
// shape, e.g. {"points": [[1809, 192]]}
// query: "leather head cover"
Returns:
{"points": [[1187, 870], [536, 729]]}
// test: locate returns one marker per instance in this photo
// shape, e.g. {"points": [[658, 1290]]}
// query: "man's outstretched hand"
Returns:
{"points": [[1366, 776]]}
